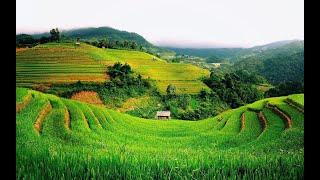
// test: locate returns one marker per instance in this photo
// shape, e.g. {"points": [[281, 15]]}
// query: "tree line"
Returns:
{"points": [[115, 44], [26, 40]]}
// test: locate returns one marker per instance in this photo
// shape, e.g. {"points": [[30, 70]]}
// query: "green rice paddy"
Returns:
{"points": [[64, 63], [82, 141]]}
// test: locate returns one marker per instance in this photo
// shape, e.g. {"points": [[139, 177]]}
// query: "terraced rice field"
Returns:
{"points": [[65, 62], [75, 140]]}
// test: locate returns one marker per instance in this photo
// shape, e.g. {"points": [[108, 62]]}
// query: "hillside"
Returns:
{"points": [[61, 138], [64, 63]]}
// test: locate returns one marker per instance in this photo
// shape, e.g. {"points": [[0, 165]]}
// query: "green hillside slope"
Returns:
{"points": [[62, 139], [64, 63], [278, 62]]}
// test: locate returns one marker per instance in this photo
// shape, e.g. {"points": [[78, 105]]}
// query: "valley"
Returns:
{"points": [[87, 99]]}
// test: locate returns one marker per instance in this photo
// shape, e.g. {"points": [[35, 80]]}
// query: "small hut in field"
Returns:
{"points": [[163, 115], [78, 42]]}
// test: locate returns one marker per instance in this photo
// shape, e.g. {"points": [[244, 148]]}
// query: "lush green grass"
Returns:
{"points": [[299, 98], [65, 63], [20, 94], [105, 144]]}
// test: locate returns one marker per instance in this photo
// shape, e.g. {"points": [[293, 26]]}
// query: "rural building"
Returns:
{"points": [[163, 115], [78, 42], [216, 65]]}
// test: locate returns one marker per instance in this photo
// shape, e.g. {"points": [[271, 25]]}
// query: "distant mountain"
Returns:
{"points": [[276, 44], [225, 53], [234, 54], [92, 34]]}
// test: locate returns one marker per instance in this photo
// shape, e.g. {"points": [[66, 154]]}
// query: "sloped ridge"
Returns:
{"points": [[286, 118], [67, 123], [24, 103], [263, 120], [295, 105], [242, 119], [39, 121]]}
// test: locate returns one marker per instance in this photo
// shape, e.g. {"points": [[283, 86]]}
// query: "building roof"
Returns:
{"points": [[163, 113]]}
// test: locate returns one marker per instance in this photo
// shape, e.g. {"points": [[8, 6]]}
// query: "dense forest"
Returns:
{"points": [[276, 65]]}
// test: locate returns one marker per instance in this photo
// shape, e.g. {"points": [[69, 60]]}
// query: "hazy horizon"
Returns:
{"points": [[201, 23]]}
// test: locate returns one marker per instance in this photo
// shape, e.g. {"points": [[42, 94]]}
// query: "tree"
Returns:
{"points": [[44, 39], [55, 34], [119, 70], [133, 45], [25, 39], [114, 71], [203, 94], [171, 89], [126, 69]]}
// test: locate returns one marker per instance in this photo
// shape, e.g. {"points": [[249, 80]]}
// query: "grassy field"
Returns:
{"points": [[64, 63], [76, 140]]}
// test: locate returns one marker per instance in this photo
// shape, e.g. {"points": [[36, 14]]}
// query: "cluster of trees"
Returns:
{"points": [[214, 59], [193, 107], [287, 88], [115, 44], [25, 40], [122, 75], [124, 84], [233, 89]]}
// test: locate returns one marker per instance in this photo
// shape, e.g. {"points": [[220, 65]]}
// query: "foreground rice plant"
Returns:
{"points": [[83, 141]]}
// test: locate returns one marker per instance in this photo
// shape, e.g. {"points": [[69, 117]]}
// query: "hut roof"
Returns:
{"points": [[163, 113]]}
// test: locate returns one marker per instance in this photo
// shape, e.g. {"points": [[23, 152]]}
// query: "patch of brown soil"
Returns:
{"points": [[90, 97], [20, 49], [66, 119], [263, 120], [242, 119]]}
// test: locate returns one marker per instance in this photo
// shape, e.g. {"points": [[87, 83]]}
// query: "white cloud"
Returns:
{"points": [[234, 22]]}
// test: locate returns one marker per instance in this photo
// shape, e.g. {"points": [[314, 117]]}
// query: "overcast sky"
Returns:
{"points": [[177, 22]]}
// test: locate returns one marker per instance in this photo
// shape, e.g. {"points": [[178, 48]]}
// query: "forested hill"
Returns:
{"points": [[111, 34], [277, 64], [92, 33]]}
